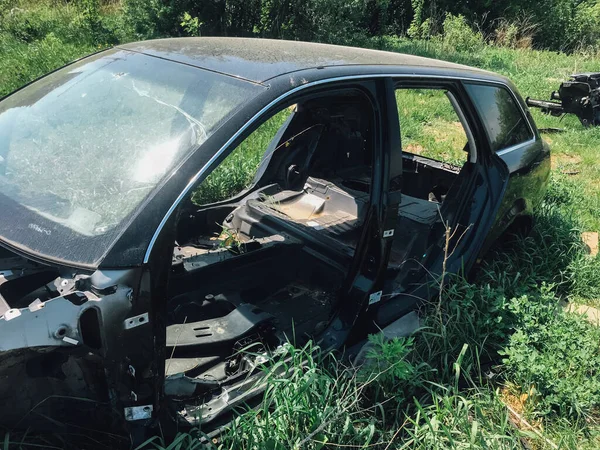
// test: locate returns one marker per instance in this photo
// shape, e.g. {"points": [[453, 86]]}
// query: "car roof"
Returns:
{"points": [[259, 60]]}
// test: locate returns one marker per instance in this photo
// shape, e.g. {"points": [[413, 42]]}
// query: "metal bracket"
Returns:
{"points": [[11, 314], [388, 233], [133, 413], [136, 321], [375, 297], [71, 341]]}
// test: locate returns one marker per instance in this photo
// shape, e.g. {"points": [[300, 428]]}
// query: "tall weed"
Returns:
{"points": [[457, 420]]}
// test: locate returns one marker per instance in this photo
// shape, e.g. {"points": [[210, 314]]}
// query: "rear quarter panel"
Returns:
{"points": [[529, 168]]}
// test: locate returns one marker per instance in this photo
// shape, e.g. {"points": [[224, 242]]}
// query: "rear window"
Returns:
{"points": [[503, 119]]}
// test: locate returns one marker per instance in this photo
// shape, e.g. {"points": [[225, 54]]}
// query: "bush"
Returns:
{"points": [[22, 63], [41, 36], [556, 354], [584, 29], [35, 23], [313, 20], [470, 324], [459, 36], [81, 23], [147, 18]]}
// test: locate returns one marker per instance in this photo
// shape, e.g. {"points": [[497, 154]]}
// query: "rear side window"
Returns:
{"points": [[430, 126], [503, 120]]}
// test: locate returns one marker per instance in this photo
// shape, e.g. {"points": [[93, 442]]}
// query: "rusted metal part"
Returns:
{"points": [[579, 96]]}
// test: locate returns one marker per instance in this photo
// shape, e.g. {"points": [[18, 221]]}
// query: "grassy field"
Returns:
{"points": [[499, 365], [39, 36]]}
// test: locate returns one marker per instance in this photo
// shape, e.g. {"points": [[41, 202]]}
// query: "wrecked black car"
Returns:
{"points": [[165, 205]]}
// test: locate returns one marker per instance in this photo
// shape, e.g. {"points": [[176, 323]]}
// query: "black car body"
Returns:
{"points": [[117, 287]]}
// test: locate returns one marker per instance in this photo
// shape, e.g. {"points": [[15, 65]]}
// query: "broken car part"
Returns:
{"points": [[579, 96]]}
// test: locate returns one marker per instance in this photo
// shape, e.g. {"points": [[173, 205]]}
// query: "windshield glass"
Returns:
{"points": [[82, 148]]}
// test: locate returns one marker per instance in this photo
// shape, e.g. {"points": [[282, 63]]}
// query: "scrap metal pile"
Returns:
{"points": [[580, 96]]}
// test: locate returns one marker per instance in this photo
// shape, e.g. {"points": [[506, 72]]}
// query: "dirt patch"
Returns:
{"points": [[590, 239], [415, 149], [564, 162], [517, 398], [591, 314], [514, 400]]}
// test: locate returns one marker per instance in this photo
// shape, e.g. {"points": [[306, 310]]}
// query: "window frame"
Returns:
{"points": [[370, 88], [455, 93], [518, 106], [232, 149], [335, 88]]}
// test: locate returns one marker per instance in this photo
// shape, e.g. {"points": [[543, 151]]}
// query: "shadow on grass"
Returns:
{"points": [[520, 264]]}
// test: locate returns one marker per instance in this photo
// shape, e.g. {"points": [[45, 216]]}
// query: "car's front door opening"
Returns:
{"points": [[262, 255]]}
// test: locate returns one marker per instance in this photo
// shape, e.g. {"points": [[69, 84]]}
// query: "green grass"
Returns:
{"points": [[22, 62], [498, 339], [429, 125]]}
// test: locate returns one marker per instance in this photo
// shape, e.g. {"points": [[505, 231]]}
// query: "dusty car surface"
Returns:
{"points": [[166, 204]]}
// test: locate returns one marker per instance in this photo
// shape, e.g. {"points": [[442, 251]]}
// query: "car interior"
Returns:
{"points": [[265, 265]]}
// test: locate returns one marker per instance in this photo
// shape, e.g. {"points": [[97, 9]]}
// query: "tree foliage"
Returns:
{"points": [[555, 24]]}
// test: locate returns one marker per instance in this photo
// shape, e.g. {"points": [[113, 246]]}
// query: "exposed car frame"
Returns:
{"points": [[102, 330]]}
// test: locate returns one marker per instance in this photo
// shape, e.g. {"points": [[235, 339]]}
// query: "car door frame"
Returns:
{"points": [[485, 202], [365, 275]]}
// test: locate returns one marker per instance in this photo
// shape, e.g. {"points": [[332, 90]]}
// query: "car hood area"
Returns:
{"points": [[51, 341]]}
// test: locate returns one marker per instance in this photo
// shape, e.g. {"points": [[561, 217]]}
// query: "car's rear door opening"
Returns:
{"points": [[451, 186], [439, 155]]}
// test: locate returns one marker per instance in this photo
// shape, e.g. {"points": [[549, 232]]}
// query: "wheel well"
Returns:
{"points": [[520, 226]]}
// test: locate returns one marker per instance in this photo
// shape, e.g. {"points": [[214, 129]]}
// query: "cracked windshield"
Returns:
{"points": [[87, 146]]}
